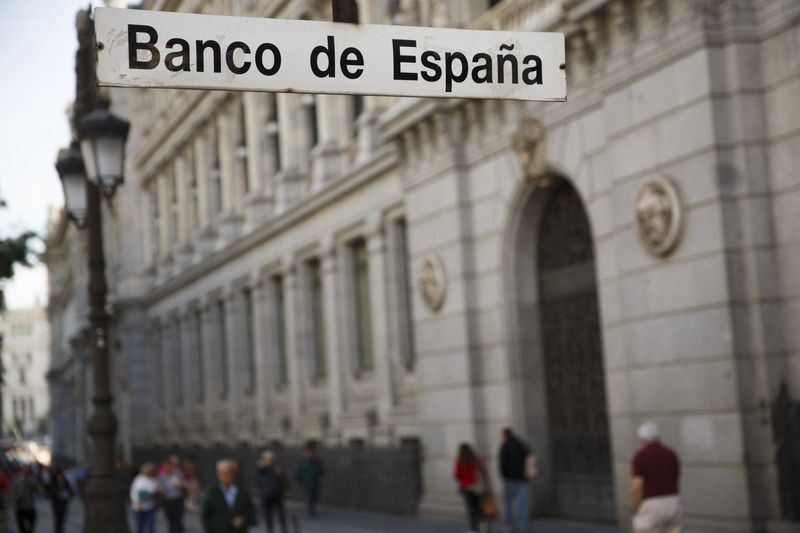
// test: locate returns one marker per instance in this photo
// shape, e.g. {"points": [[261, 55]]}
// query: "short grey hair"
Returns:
{"points": [[222, 464]]}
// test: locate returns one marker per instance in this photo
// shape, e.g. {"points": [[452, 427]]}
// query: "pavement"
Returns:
{"points": [[331, 521]]}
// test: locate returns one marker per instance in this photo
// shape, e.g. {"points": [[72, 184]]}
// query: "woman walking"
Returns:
{"points": [[144, 491], [470, 474], [59, 492], [272, 482]]}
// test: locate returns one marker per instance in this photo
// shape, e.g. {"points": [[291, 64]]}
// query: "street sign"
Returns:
{"points": [[138, 48]]}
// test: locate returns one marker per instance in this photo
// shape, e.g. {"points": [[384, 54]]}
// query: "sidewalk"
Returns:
{"points": [[330, 521]]}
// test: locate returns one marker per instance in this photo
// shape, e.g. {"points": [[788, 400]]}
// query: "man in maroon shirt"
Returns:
{"points": [[656, 472]]}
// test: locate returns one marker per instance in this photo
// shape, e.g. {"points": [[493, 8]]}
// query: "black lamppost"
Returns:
{"points": [[83, 175]]}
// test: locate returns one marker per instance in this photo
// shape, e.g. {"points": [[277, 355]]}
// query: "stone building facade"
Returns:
{"points": [[25, 357], [385, 270], [68, 375]]}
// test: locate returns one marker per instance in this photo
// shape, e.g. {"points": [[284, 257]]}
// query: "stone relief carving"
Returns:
{"points": [[659, 216], [432, 282], [528, 142]]}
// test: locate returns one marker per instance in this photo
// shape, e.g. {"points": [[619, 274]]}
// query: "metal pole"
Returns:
{"points": [[345, 11], [104, 509]]}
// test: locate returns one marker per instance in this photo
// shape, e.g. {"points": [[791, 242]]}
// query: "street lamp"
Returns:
{"points": [[102, 139], [102, 135], [73, 179]]}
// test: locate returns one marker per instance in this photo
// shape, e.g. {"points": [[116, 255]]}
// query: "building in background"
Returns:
{"points": [[391, 277], [25, 359], [68, 376]]}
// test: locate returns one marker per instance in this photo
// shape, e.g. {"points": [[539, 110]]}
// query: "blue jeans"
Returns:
{"points": [[145, 521], [515, 490]]}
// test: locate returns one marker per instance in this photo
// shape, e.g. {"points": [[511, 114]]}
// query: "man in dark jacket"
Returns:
{"points": [[272, 483], [227, 507], [308, 474], [513, 456]]}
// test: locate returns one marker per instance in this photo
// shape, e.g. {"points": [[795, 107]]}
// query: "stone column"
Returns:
{"points": [[145, 212], [333, 329], [183, 253], [255, 116], [211, 394], [290, 181], [233, 314], [291, 297], [205, 235], [230, 220], [188, 345], [163, 380], [154, 365], [164, 251], [376, 249], [335, 118], [261, 340]]}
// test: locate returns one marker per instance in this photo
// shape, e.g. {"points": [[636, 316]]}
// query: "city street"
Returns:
{"points": [[331, 522]]}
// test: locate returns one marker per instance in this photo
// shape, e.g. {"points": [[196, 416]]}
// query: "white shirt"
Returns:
{"points": [[143, 493]]}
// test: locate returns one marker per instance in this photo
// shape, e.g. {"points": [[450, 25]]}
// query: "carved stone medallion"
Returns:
{"points": [[432, 283], [659, 216]]}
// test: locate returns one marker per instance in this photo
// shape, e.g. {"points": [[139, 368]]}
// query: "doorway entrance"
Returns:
{"points": [[561, 378]]}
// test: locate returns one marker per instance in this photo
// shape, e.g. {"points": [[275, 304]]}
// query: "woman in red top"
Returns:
{"points": [[471, 476]]}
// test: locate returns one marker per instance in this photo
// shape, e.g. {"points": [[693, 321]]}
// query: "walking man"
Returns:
{"points": [[272, 482], [656, 473], [173, 489], [227, 507], [513, 456], [308, 474]]}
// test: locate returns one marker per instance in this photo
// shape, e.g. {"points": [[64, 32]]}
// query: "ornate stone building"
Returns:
{"points": [[388, 272], [25, 354]]}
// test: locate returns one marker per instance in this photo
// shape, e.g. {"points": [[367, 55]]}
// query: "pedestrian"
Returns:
{"points": [[227, 507], [192, 485], [4, 486], [25, 491], [59, 492], [172, 484], [308, 474], [273, 484], [656, 474], [513, 458], [470, 473], [144, 499]]}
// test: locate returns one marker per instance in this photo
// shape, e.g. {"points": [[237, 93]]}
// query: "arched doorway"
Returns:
{"points": [[559, 354]]}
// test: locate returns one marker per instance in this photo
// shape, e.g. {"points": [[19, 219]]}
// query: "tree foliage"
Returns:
{"points": [[13, 251]]}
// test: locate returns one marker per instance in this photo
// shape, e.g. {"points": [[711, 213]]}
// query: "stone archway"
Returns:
{"points": [[557, 354]]}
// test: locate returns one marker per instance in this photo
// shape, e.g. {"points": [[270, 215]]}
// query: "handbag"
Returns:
{"points": [[532, 468], [489, 507]]}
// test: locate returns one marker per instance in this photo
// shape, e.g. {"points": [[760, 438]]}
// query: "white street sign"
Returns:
{"points": [[138, 48]]}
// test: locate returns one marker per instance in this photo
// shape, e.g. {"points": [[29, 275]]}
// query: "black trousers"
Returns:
{"points": [[311, 501], [26, 520], [473, 502], [59, 514], [274, 505], [174, 511]]}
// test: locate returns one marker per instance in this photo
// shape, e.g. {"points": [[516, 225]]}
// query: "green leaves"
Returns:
{"points": [[13, 251]]}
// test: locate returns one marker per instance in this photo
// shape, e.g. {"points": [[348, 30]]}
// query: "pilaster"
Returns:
{"points": [[376, 249], [291, 297], [333, 329]]}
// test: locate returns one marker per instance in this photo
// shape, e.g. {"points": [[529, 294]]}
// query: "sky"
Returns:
{"points": [[37, 69]]}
